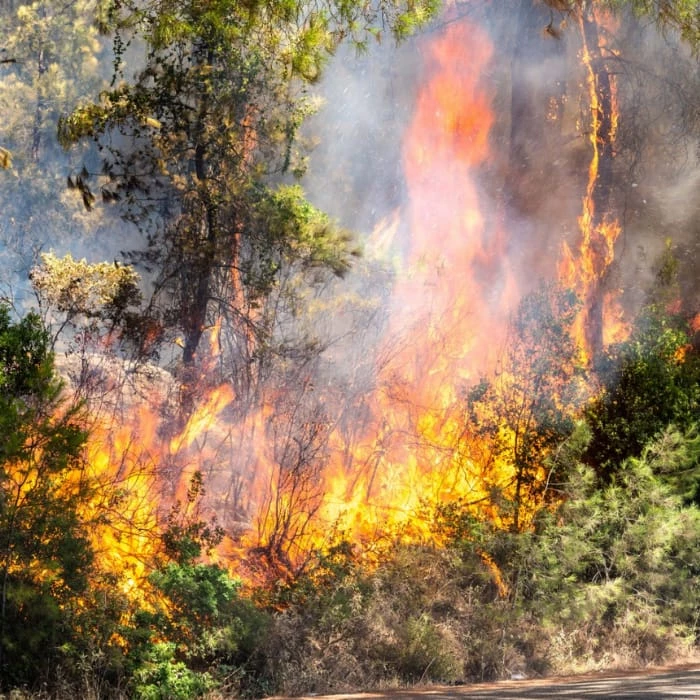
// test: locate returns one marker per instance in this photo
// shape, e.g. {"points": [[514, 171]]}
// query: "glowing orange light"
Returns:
{"points": [[449, 315], [584, 268]]}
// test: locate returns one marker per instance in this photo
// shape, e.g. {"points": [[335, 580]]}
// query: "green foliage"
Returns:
{"points": [[198, 632], [201, 612], [630, 553], [610, 572], [675, 458], [187, 538], [194, 141], [649, 382], [45, 554], [528, 409], [161, 677], [203, 127], [310, 237]]}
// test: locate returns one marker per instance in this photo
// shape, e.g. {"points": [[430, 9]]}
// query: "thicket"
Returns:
{"points": [[606, 574]]}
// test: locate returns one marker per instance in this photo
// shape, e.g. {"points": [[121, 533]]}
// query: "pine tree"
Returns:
{"points": [[200, 140]]}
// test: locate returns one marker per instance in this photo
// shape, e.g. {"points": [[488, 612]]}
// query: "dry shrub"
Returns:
{"points": [[616, 631], [421, 618], [430, 616], [316, 644]]}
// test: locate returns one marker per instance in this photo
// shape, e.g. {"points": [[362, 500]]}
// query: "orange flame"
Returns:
{"points": [[298, 478], [451, 307], [126, 536], [584, 269]]}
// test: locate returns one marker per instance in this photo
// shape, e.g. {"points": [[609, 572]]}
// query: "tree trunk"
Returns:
{"points": [[602, 120]]}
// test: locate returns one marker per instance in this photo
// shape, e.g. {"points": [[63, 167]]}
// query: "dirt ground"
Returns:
{"points": [[648, 684]]}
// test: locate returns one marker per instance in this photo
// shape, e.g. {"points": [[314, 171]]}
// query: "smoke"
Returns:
{"points": [[355, 162], [533, 183]]}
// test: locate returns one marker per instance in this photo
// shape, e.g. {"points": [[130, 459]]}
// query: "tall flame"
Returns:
{"points": [[449, 314], [298, 477], [584, 269]]}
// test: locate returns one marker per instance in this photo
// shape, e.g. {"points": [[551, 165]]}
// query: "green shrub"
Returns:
{"points": [[161, 677]]}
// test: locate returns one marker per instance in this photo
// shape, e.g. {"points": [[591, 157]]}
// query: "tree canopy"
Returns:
{"points": [[194, 144]]}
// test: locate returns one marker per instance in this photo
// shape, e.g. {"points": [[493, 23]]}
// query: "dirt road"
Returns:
{"points": [[656, 685]]}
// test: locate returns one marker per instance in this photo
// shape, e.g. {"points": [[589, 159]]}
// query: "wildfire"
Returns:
{"points": [[139, 470], [286, 473], [450, 309], [585, 269], [126, 534]]}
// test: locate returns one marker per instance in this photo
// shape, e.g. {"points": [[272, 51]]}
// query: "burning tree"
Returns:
{"points": [[194, 144], [529, 408]]}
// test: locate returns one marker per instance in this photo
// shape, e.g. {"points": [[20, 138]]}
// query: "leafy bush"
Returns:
{"points": [[650, 381], [199, 634], [161, 677], [45, 554]]}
